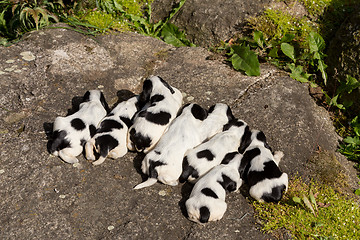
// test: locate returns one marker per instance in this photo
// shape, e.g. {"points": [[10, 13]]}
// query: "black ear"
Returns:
{"points": [[145, 94], [246, 160], [86, 97], [245, 140], [261, 137], [104, 103], [211, 109], [152, 171], [198, 112], [204, 215], [186, 171], [167, 85], [229, 114]]}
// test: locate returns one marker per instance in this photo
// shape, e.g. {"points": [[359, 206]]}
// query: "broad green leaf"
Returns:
{"points": [[287, 38], [312, 199], [298, 73], [333, 102], [322, 66], [355, 124], [245, 60], [274, 52], [172, 35], [308, 204], [259, 38], [288, 50], [316, 42], [357, 191], [352, 140]]}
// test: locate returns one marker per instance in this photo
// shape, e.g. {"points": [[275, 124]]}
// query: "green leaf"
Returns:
{"points": [[322, 66], [245, 60], [357, 191], [288, 50], [298, 73], [354, 141], [350, 85], [312, 199], [287, 38], [308, 204], [273, 52], [316, 42], [173, 36], [297, 199], [333, 102], [259, 38]]}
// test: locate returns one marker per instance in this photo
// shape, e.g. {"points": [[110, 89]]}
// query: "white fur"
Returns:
{"points": [[216, 206], [91, 113], [125, 109], [170, 104], [219, 145]]}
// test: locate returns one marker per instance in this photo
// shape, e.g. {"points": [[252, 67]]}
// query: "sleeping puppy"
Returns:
{"points": [[111, 135], [72, 132], [189, 129], [162, 104], [164, 162], [198, 161], [266, 181], [207, 198]]}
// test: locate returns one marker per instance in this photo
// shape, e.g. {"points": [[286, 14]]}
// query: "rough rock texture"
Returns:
{"points": [[344, 54], [43, 75], [207, 23]]}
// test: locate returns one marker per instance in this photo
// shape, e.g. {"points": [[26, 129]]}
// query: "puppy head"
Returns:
{"points": [[221, 109], [258, 139], [96, 95], [202, 210], [140, 142], [270, 190]]}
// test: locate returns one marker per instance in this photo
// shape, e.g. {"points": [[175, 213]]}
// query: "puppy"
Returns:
{"points": [[266, 181], [198, 161], [164, 162], [162, 104], [188, 130], [207, 198], [111, 135], [72, 132]]}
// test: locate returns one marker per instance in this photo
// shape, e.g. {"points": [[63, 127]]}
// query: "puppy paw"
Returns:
{"points": [[99, 161]]}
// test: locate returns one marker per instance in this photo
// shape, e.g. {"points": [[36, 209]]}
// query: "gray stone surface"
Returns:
{"points": [[45, 198], [208, 22]]}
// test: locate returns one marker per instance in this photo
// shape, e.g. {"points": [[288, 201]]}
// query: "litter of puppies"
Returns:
{"points": [[209, 148]]}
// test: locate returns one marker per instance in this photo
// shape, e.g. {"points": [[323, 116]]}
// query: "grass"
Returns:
{"points": [[335, 216]]}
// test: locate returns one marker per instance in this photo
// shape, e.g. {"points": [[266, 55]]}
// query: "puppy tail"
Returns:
{"points": [[147, 183]]}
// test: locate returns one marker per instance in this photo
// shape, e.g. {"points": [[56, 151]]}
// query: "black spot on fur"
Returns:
{"points": [[167, 85], [59, 141], [108, 124], [229, 114], [211, 109], [106, 143], [92, 130], [152, 165], [206, 154], [204, 215], [145, 94], [141, 142], [127, 121], [228, 157], [78, 124], [271, 170], [161, 118], [261, 137], [86, 96], [245, 162], [227, 183], [275, 195], [157, 152], [231, 123], [104, 103], [157, 98], [187, 171], [245, 140], [198, 112], [208, 192]]}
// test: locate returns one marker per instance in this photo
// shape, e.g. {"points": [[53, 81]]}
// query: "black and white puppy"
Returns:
{"points": [[164, 162], [207, 199], [70, 133], [266, 181], [187, 131], [111, 135], [162, 104], [199, 160]]}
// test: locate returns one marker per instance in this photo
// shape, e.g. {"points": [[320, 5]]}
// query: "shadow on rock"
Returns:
{"points": [[137, 165], [185, 194]]}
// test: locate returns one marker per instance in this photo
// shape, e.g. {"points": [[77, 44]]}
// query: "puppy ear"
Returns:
{"points": [[246, 160], [167, 85], [104, 103], [198, 112], [245, 140], [86, 97], [187, 171], [261, 137], [145, 94], [229, 114], [204, 214]]}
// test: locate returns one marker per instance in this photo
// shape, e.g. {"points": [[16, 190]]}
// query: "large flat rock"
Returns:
{"points": [[43, 75]]}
